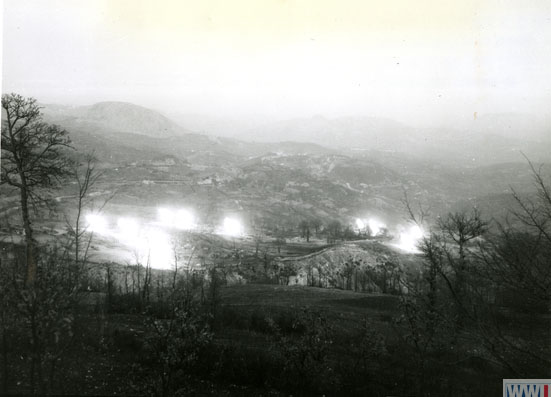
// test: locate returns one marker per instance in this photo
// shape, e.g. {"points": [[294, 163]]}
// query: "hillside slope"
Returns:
{"points": [[114, 116]]}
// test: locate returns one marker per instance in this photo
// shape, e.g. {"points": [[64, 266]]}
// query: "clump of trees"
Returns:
{"points": [[334, 231], [484, 293]]}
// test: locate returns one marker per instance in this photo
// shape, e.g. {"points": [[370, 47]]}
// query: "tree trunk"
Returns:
{"points": [[147, 283], [133, 282], [126, 280], [109, 287], [139, 282], [77, 234], [29, 241]]}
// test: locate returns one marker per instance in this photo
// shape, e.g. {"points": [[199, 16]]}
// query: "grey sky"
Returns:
{"points": [[418, 62]]}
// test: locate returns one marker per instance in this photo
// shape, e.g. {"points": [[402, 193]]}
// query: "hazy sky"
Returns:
{"points": [[415, 61]]}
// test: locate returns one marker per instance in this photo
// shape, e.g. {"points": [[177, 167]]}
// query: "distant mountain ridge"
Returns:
{"points": [[116, 116], [489, 139], [127, 117], [512, 125], [348, 132], [117, 125]]}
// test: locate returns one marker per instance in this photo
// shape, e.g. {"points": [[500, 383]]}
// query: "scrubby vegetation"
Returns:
{"points": [[471, 309]]}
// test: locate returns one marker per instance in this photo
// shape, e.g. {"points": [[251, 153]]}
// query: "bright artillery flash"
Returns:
{"points": [[182, 219], [375, 227], [410, 238], [232, 227]]}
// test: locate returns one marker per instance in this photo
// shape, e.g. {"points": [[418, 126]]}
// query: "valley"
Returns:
{"points": [[275, 198], [267, 246]]}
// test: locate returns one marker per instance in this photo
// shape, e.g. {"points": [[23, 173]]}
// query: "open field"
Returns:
{"points": [[113, 342], [245, 347]]}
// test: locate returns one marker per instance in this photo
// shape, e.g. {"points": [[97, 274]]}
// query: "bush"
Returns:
{"points": [[246, 365]]}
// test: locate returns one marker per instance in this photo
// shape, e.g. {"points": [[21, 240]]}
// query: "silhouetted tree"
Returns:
{"points": [[461, 228], [85, 176], [334, 231], [304, 227], [316, 224], [494, 282], [348, 233], [280, 242], [32, 159]]}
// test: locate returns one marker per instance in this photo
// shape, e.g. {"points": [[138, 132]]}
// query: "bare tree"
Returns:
{"points": [[280, 241], [176, 257], [334, 230], [418, 215], [316, 224], [33, 158], [147, 280], [461, 228], [304, 227], [86, 176], [257, 238], [536, 213], [498, 283]]}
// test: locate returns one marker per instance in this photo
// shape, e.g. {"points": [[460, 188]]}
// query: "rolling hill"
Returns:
{"points": [[491, 139], [114, 117], [282, 181]]}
